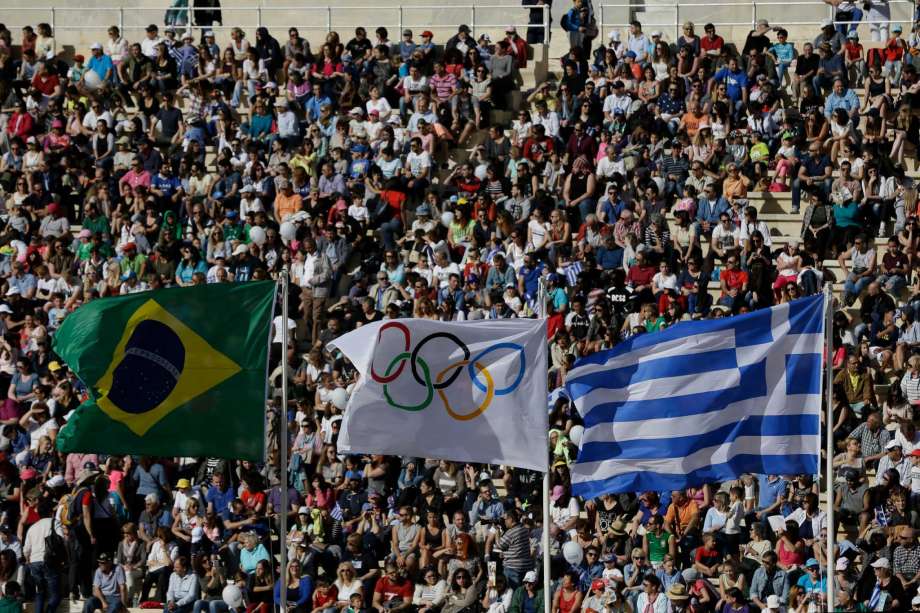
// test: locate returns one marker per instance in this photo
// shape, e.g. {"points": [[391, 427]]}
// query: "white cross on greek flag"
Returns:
{"points": [[702, 401]]}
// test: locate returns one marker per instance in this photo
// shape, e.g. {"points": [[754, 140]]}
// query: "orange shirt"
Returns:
{"points": [[685, 513], [287, 205]]}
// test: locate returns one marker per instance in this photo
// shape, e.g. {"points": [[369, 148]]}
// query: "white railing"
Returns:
{"points": [[620, 15], [479, 17]]}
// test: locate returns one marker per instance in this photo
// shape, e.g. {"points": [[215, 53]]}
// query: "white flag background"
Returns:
{"points": [[464, 391]]}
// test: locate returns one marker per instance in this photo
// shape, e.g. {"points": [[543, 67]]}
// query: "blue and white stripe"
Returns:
{"points": [[702, 401]]}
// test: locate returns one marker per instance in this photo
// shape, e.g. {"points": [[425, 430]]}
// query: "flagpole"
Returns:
{"points": [[547, 582], [283, 445], [829, 440]]}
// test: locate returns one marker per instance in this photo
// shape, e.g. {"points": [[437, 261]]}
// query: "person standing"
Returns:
{"points": [[44, 566]]}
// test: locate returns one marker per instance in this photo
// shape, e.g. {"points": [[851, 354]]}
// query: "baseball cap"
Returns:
{"points": [[13, 291], [170, 29], [915, 452], [208, 33], [853, 36], [656, 33], [352, 474], [892, 444], [614, 35], [407, 32], [842, 564], [630, 54], [530, 577], [5, 308], [95, 46], [427, 34], [812, 563], [881, 563], [303, 511], [915, 601], [598, 584], [897, 28], [763, 23], [827, 23]]}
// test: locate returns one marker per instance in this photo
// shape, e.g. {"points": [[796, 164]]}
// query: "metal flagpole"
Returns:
{"points": [[283, 445], [829, 440], [547, 582]]}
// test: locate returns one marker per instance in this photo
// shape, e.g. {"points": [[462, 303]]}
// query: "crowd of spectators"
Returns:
{"points": [[413, 178]]}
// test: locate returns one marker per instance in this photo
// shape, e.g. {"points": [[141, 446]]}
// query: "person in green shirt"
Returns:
{"points": [[657, 542], [12, 598], [133, 261], [94, 222]]}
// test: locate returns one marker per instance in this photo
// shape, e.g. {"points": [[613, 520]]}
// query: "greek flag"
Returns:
{"points": [[702, 401]]}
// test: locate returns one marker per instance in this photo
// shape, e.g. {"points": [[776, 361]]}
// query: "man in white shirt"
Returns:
{"points": [[608, 165], [546, 118], [637, 42], [750, 224], [150, 42], [893, 459], [183, 588], [618, 99]]}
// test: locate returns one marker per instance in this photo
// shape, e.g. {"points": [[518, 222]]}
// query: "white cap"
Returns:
{"points": [[656, 33], [916, 600], [614, 35], [13, 291], [5, 308], [827, 23], [892, 444], [303, 511], [773, 602], [95, 46], [530, 577], [842, 564], [356, 111], [209, 32], [881, 563]]}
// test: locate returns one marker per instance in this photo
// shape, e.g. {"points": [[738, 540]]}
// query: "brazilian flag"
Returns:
{"points": [[176, 372]]}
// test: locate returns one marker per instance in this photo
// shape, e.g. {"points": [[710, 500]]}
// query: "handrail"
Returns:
{"points": [[826, 11], [402, 16]]}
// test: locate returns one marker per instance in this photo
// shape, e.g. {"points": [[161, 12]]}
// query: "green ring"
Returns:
{"points": [[417, 407]]}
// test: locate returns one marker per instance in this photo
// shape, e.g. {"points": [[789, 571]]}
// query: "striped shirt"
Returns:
{"points": [[443, 86], [515, 544]]}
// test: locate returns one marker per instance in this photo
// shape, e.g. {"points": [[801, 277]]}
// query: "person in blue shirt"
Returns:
{"points": [[841, 97], [783, 54], [736, 83], [101, 64], [299, 588], [831, 68], [772, 492], [315, 103], [812, 582], [710, 208]]}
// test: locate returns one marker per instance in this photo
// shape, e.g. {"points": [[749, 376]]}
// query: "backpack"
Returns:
{"points": [[71, 510], [55, 550]]}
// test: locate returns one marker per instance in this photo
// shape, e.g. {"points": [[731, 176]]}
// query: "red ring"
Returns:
{"points": [[405, 331]]}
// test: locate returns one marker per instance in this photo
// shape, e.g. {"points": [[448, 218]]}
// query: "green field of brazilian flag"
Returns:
{"points": [[178, 372]]}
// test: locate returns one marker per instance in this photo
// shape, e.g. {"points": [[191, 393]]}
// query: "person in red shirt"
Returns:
{"points": [[21, 123], [518, 47], [47, 82], [734, 284], [639, 278], [252, 496], [538, 146], [711, 44], [393, 591]]}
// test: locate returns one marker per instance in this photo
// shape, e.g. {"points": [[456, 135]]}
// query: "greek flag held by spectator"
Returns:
{"points": [[702, 401]]}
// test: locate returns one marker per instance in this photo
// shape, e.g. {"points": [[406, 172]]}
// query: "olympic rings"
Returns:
{"points": [[387, 378], [485, 403], [474, 367], [427, 383], [431, 337], [517, 380]]}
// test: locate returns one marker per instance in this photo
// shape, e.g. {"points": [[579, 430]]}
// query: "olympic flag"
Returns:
{"points": [[469, 391]]}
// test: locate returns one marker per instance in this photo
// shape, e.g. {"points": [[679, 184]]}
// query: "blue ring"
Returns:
{"points": [[498, 392]]}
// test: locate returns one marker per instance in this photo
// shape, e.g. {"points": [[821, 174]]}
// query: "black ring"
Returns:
{"points": [[450, 379]]}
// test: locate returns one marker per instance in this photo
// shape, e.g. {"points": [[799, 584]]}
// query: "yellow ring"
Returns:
{"points": [[490, 390]]}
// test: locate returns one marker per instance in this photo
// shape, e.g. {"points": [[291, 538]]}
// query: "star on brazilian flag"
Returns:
{"points": [[179, 372]]}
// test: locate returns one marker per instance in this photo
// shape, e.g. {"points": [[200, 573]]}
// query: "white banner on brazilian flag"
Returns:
{"points": [[462, 391]]}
